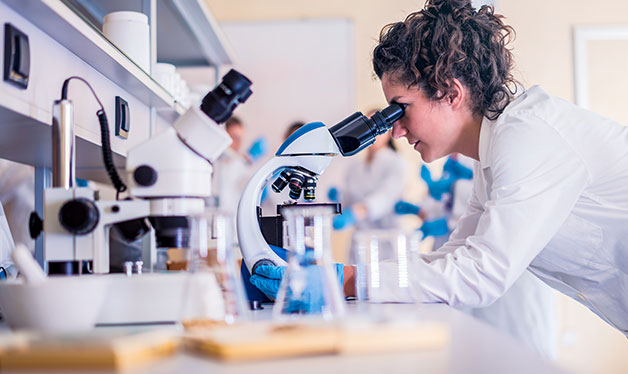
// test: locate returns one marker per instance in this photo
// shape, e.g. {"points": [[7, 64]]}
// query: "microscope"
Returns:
{"points": [[298, 162], [169, 179]]}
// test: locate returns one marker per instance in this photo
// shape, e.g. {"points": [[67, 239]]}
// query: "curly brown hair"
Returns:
{"points": [[449, 39]]}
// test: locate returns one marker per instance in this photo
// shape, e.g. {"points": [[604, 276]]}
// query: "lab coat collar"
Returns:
{"points": [[486, 132]]}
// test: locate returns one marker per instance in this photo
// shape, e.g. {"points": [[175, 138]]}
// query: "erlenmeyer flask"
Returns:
{"points": [[213, 290], [310, 283]]}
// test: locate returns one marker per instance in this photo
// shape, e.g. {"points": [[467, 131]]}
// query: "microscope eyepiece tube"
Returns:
{"points": [[357, 132]]}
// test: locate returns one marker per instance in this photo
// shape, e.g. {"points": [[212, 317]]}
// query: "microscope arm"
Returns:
{"points": [[255, 249]]}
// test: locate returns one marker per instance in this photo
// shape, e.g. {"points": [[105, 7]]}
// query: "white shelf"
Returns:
{"points": [[66, 27]]}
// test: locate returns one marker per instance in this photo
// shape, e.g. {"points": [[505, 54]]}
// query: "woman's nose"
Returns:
{"points": [[398, 131]]}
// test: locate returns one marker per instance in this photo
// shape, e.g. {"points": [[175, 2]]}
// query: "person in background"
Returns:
{"points": [[372, 186], [233, 169], [435, 211]]}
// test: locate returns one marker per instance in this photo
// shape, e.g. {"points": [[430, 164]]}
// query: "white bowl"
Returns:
{"points": [[60, 304]]}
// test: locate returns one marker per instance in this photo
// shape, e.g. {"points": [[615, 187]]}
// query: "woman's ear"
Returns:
{"points": [[456, 95]]}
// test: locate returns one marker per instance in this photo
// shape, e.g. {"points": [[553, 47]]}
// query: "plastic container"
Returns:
{"points": [[129, 31]]}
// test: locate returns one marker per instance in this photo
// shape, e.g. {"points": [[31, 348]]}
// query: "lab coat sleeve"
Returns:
{"points": [[382, 201], [533, 179]]}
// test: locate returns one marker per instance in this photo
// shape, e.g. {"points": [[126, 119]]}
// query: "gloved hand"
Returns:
{"points": [[268, 279], [457, 170], [404, 207], [258, 148], [436, 189], [344, 220], [435, 227], [333, 195]]}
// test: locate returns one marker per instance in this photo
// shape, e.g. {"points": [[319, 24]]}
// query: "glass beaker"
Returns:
{"points": [[310, 285], [384, 260], [213, 289]]}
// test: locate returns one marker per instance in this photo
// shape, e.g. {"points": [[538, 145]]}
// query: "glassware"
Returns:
{"points": [[310, 284], [384, 260], [213, 289]]}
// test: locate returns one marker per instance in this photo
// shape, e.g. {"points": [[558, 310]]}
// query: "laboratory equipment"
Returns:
{"points": [[298, 162], [213, 288], [309, 284], [383, 260], [169, 177]]}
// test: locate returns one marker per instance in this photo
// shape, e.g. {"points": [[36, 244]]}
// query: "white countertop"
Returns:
{"points": [[474, 348]]}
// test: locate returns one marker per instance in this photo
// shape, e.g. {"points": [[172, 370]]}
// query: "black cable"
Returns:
{"points": [[107, 155]]}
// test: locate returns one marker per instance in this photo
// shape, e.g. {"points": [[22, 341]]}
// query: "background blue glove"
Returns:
{"points": [[258, 148], [268, 279], [333, 195], [404, 207], [435, 227], [344, 220], [458, 171]]}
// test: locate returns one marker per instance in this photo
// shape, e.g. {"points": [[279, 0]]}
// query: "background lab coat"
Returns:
{"points": [[550, 196], [379, 185]]}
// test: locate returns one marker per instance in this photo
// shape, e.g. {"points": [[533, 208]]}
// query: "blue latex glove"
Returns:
{"points": [[344, 220], [436, 189], [435, 227], [404, 207], [333, 195], [258, 148], [268, 279], [458, 171]]}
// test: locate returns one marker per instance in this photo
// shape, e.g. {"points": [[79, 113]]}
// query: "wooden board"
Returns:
{"points": [[99, 349], [256, 341]]}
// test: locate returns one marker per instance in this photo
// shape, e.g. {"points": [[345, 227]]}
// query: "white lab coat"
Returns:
{"points": [[527, 311], [379, 185], [550, 195]]}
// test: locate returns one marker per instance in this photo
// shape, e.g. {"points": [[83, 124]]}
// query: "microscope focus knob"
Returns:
{"points": [[145, 176], [79, 216]]}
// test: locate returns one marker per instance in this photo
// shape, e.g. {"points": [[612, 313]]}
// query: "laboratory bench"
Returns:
{"points": [[473, 347]]}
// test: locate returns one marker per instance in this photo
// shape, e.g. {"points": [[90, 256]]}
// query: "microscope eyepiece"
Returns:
{"points": [[357, 132], [233, 90]]}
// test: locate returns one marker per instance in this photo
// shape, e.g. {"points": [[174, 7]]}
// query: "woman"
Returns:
{"points": [[550, 192]]}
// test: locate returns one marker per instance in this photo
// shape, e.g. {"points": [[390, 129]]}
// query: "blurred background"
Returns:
{"points": [[311, 61]]}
